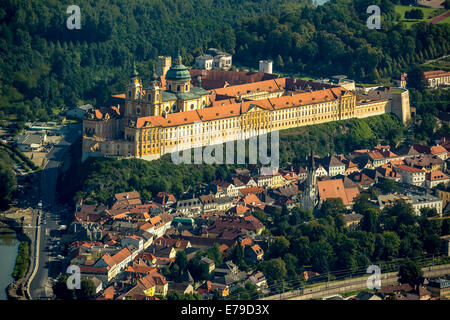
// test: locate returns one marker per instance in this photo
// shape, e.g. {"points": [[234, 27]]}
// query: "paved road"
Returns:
{"points": [[40, 287]]}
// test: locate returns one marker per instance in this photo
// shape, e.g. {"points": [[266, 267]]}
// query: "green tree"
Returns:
{"points": [[428, 212], [391, 245], [410, 273], [278, 248], [87, 290], [301, 249], [215, 254], [279, 63], [416, 79], [60, 289], [321, 256], [389, 186], [7, 185], [369, 221], [332, 207], [274, 269], [181, 260], [198, 269]]}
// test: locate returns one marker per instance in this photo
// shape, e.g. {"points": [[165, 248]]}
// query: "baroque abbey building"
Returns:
{"points": [[182, 109]]}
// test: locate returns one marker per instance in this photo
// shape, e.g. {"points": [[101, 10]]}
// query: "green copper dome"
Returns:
{"points": [[178, 72]]}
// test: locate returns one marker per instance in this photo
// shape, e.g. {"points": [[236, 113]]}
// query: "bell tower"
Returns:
{"points": [[178, 77], [134, 87], [154, 96], [310, 191]]}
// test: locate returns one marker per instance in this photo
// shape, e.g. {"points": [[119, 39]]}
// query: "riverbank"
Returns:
{"points": [[22, 260], [17, 289], [9, 245]]}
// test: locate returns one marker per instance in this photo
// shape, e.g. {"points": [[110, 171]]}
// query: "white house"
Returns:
{"points": [[79, 112], [411, 175]]}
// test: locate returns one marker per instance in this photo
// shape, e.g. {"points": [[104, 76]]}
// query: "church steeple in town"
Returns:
{"points": [[134, 87], [310, 188]]}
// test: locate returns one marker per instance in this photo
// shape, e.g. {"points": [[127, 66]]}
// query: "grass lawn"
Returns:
{"points": [[397, 90], [369, 85], [428, 14]]}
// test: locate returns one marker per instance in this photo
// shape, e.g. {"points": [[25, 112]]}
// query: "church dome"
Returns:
{"points": [[178, 72]]}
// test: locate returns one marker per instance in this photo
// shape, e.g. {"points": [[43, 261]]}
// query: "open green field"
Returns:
{"points": [[428, 14]]}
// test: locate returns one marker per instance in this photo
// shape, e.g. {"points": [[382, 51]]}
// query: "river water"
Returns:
{"points": [[8, 253]]}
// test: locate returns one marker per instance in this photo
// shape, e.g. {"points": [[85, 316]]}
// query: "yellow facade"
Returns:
{"points": [[124, 138], [445, 196], [150, 292]]}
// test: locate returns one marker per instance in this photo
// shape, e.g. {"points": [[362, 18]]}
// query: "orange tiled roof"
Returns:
{"points": [[251, 190], [436, 74], [334, 188], [238, 108], [121, 255], [246, 242], [438, 149], [408, 168], [108, 294], [305, 98], [257, 249], [127, 195], [437, 176], [108, 259], [240, 209], [260, 86], [251, 199]]}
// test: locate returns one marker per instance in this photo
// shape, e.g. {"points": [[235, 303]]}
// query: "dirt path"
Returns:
{"points": [[441, 17]]}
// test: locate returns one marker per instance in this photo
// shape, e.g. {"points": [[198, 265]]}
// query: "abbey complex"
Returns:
{"points": [[182, 109]]}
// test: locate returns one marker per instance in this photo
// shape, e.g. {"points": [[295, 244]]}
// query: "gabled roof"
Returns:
{"points": [[436, 176], [409, 169], [257, 249], [331, 161], [304, 98], [107, 294], [127, 195], [251, 190], [121, 255], [252, 199], [334, 188], [255, 87]]}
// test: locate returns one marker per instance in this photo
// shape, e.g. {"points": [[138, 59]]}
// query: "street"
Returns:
{"points": [[48, 265]]}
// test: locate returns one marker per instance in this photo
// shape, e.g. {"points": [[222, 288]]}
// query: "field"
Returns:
{"points": [[428, 14]]}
